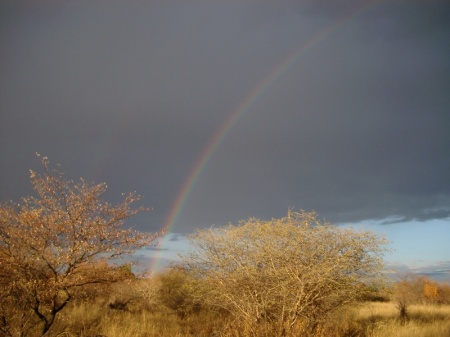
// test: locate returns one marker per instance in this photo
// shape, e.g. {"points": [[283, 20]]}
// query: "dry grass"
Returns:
{"points": [[410, 329], [363, 320], [94, 321], [374, 319], [423, 321]]}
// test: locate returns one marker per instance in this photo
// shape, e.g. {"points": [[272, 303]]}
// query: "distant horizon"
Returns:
{"points": [[395, 263]]}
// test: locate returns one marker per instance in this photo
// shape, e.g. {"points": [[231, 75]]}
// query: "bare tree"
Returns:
{"points": [[415, 289], [54, 243], [287, 272]]}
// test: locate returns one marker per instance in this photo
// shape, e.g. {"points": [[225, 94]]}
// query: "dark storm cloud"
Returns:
{"points": [[131, 94]]}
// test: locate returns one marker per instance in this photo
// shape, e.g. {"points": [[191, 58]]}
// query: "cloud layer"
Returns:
{"points": [[132, 93]]}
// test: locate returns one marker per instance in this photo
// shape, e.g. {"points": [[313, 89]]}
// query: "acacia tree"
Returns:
{"points": [[277, 274], [57, 242]]}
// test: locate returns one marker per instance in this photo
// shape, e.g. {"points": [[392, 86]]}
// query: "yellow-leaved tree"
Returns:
{"points": [[57, 242], [283, 275]]}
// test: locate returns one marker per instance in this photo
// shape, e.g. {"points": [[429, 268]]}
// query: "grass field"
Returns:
{"points": [[423, 321], [369, 319]]}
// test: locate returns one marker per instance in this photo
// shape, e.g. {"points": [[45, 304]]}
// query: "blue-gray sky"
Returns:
{"points": [[131, 93]]}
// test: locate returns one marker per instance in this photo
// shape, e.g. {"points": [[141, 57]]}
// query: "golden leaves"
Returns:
{"points": [[284, 268], [60, 240]]}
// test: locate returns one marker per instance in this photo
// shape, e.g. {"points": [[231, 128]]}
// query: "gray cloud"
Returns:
{"points": [[131, 94]]}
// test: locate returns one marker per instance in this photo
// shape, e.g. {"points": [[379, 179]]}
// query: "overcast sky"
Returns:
{"points": [[132, 93]]}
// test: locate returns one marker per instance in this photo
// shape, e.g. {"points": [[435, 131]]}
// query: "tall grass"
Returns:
{"points": [[94, 320], [369, 319], [423, 321]]}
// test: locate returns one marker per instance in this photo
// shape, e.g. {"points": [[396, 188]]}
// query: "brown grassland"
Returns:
{"points": [[105, 317], [369, 319]]}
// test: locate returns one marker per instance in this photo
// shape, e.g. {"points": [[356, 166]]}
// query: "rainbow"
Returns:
{"points": [[244, 106]]}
